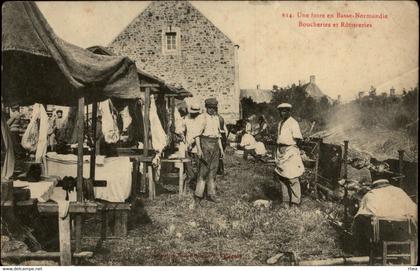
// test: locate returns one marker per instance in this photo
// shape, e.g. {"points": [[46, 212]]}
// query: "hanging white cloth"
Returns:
{"points": [[36, 138], [9, 159], [158, 133], [41, 148], [126, 118], [31, 135], [109, 124]]}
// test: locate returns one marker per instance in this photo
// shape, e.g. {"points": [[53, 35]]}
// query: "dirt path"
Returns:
{"points": [[232, 232]]}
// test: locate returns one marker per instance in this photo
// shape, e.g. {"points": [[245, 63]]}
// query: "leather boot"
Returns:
{"points": [[197, 201], [213, 198]]}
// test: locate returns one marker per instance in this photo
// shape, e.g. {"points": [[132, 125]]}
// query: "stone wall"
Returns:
{"points": [[204, 62]]}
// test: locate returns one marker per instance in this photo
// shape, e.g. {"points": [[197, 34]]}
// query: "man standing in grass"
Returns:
{"points": [[209, 150], [289, 165], [190, 130]]}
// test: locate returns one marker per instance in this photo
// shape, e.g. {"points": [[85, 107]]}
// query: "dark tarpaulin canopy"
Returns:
{"points": [[38, 66]]}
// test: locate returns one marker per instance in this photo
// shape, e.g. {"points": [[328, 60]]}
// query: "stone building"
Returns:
{"points": [[176, 42]]}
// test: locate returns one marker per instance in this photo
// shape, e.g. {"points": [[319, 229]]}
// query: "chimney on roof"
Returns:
{"points": [[258, 86], [392, 92], [312, 79]]}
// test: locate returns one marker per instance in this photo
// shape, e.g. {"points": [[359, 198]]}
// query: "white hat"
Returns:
{"points": [[284, 105], [195, 107], [380, 182]]}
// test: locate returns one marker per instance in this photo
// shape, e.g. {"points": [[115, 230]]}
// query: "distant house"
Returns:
{"points": [[258, 94], [176, 42], [313, 90]]}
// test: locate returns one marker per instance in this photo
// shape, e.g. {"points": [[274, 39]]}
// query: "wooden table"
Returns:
{"points": [[181, 161], [64, 224], [136, 159]]}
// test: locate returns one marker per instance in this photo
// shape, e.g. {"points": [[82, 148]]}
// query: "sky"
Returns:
{"points": [[274, 50]]}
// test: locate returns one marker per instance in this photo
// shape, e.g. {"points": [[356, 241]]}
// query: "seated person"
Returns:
{"points": [[383, 201], [261, 132], [251, 146]]}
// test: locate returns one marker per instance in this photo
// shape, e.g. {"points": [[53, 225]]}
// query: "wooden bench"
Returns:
{"points": [[180, 174]]}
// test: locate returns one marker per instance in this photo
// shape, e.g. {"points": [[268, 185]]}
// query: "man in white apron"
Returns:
{"points": [[289, 165]]}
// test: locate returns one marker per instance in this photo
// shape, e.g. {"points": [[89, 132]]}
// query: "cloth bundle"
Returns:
{"points": [[35, 136], [109, 123], [7, 146], [126, 118], [158, 133]]}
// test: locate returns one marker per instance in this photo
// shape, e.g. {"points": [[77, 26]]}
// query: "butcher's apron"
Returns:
{"points": [[288, 162]]}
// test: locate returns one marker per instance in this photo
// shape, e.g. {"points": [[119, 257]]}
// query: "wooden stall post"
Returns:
{"points": [[65, 241], [93, 151], [146, 141], [172, 104], [181, 179], [401, 165], [168, 116], [80, 139]]}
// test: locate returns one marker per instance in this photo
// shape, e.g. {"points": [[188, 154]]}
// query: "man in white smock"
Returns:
{"points": [[289, 165]]}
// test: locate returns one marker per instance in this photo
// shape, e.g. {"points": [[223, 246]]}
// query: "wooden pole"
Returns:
{"points": [[93, 152], [80, 139], [146, 122], [401, 165], [181, 180], [65, 242], [151, 182], [336, 261], [172, 104], [146, 118], [168, 116], [345, 155], [318, 150]]}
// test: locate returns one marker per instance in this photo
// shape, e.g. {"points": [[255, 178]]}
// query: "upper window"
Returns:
{"points": [[170, 41]]}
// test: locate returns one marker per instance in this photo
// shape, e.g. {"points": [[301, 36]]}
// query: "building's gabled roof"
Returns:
{"points": [[150, 8], [314, 91]]}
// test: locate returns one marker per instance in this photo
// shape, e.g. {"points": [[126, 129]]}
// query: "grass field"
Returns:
{"points": [[167, 231]]}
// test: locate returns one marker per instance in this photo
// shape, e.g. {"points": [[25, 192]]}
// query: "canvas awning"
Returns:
{"points": [[40, 67]]}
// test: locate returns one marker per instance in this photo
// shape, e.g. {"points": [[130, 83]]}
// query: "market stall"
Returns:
{"points": [[39, 67], [158, 111]]}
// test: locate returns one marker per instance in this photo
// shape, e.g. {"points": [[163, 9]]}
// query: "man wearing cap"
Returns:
{"points": [[51, 130], [60, 123], [209, 150], [289, 165], [385, 201], [191, 129]]}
